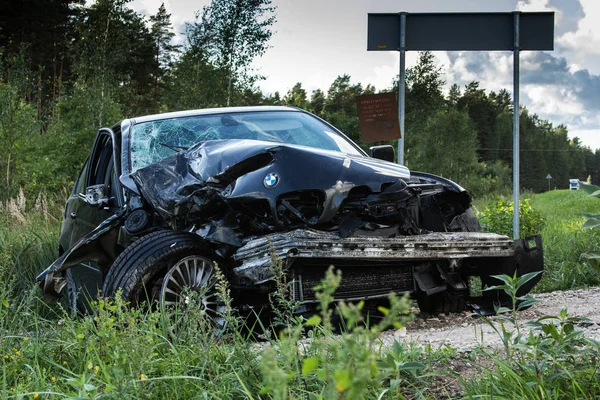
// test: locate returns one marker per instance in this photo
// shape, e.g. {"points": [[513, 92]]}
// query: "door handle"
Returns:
{"points": [[73, 215]]}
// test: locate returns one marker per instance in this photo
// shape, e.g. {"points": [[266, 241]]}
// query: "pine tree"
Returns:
{"points": [[296, 97], [164, 49], [317, 102]]}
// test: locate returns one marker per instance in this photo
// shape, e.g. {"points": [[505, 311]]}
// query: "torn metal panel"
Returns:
{"points": [[81, 250], [256, 255], [85, 249]]}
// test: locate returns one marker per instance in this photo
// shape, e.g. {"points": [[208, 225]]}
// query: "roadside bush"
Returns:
{"points": [[498, 218], [564, 240]]}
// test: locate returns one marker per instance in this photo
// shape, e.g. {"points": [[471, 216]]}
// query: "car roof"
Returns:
{"points": [[208, 111]]}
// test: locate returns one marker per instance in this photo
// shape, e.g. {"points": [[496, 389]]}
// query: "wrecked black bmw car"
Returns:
{"points": [[165, 199]]}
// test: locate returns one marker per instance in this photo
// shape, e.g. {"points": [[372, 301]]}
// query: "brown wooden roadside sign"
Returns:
{"points": [[378, 117]]}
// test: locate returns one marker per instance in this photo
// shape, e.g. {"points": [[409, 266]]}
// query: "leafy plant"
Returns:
{"points": [[349, 365], [510, 286], [498, 218]]}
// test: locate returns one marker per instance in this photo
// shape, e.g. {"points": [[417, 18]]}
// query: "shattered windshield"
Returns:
{"points": [[155, 140]]}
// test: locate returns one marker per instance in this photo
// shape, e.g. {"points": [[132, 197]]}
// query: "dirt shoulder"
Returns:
{"points": [[464, 332]]}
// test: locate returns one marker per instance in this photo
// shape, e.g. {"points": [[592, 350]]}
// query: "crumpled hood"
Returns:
{"points": [[198, 183]]}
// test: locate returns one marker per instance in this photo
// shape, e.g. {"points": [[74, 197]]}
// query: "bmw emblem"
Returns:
{"points": [[271, 180]]}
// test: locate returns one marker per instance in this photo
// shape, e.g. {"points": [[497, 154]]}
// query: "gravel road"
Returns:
{"points": [[463, 332]]}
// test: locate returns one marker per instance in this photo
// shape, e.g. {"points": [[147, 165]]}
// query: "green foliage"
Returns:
{"points": [[551, 360], [53, 160], [122, 352], [18, 124], [350, 365], [498, 218], [17, 127], [232, 34], [40, 32], [511, 286], [115, 50], [488, 179], [194, 83], [565, 241], [447, 146], [164, 50], [296, 97]]}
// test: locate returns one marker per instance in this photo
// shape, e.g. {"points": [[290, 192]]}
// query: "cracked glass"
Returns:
{"points": [[153, 141]]}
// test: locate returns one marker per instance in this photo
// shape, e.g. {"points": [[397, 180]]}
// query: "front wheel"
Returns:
{"points": [[68, 300], [169, 268]]}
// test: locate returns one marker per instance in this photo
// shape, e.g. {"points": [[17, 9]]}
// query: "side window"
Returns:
{"points": [[81, 179], [101, 162], [111, 178], [102, 169]]}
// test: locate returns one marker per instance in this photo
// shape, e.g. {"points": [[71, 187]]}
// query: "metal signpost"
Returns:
{"points": [[548, 177], [514, 31]]}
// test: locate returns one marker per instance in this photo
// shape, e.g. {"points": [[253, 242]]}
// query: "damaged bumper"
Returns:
{"points": [[375, 266]]}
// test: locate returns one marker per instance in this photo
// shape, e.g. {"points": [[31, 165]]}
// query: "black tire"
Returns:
{"points": [[468, 222], [68, 298], [450, 300], [446, 302], [143, 263]]}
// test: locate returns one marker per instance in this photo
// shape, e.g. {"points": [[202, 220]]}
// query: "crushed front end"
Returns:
{"points": [[387, 230]]}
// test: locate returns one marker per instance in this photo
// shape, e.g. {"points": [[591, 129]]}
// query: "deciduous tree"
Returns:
{"points": [[233, 33]]}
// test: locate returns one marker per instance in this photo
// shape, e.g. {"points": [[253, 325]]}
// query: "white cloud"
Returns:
{"points": [[181, 10], [532, 5], [553, 100], [150, 7], [589, 137], [583, 44], [492, 69], [541, 5]]}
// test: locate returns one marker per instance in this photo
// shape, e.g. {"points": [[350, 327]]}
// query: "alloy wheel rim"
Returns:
{"points": [[193, 275]]}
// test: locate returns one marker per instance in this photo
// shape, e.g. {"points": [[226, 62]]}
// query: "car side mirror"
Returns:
{"points": [[97, 195], [385, 152]]}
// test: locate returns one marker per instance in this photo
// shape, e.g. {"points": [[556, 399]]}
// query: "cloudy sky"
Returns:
{"points": [[317, 40]]}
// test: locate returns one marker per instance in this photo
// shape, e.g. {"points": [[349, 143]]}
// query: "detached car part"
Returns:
{"points": [[164, 200]]}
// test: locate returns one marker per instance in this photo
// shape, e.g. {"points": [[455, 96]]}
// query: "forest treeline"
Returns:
{"points": [[68, 68]]}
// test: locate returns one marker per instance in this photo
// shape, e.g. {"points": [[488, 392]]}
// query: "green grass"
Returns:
{"points": [[565, 240]]}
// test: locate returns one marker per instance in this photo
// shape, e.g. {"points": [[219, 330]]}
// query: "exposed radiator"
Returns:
{"points": [[360, 280]]}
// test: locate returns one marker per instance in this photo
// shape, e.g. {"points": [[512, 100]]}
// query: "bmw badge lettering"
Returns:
{"points": [[271, 180]]}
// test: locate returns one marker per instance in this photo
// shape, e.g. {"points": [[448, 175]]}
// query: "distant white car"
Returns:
{"points": [[574, 184]]}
